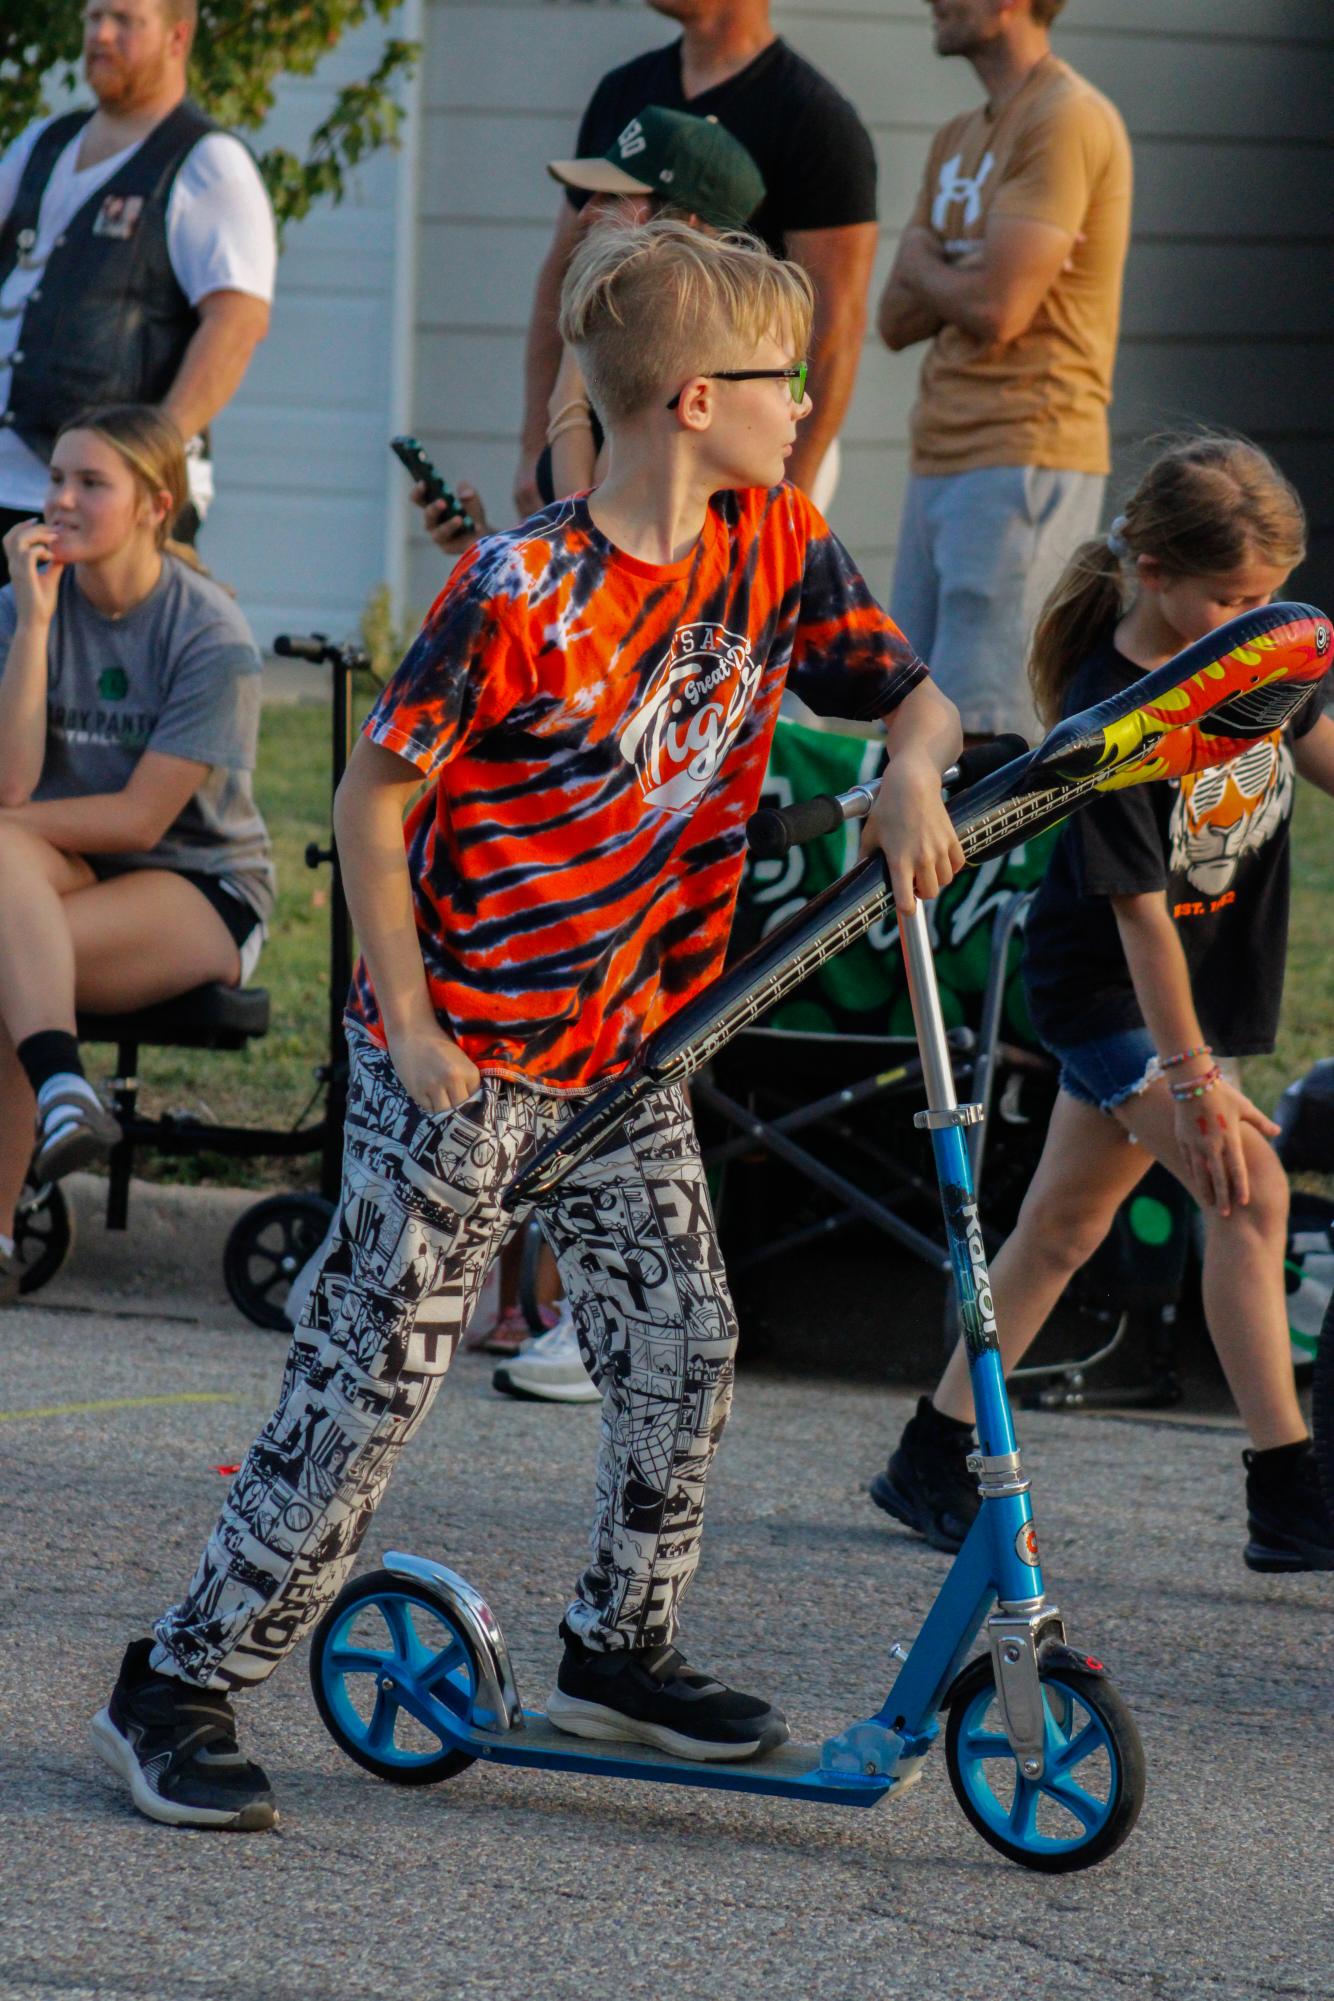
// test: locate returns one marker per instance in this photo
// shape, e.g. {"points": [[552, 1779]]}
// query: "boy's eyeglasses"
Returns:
{"points": [[795, 379]]}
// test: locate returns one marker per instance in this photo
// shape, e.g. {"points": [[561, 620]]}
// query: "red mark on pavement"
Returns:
{"points": [[227, 1469]]}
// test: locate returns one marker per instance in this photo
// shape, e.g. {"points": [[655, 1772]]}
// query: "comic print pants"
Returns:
{"points": [[418, 1224]]}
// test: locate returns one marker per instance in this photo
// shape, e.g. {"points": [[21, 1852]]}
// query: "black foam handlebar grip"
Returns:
{"points": [[775, 829], [302, 646], [984, 758]]}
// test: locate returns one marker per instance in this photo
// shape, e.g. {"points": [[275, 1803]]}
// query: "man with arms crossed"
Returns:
{"points": [[1011, 267]]}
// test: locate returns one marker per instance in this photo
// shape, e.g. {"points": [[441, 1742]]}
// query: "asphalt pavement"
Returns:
{"points": [[132, 1381]]}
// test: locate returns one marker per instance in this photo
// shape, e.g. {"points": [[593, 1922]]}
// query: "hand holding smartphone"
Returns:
{"points": [[437, 487]]}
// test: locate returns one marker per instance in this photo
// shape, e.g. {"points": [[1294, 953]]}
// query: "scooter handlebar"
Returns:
{"points": [[775, 829]]}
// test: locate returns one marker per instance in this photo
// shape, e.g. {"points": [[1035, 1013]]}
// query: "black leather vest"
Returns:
{"points": [[108, 321]]}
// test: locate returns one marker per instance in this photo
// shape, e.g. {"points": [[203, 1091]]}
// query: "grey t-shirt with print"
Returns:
{"points": [[180, 674]]}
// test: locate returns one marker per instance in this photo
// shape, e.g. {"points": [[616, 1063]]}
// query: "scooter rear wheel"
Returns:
{"points": [[1092, 1788], [389, 1667]]}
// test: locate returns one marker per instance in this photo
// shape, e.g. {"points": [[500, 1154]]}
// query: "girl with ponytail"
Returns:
{"points": [[1154, 956], [133, 862]]}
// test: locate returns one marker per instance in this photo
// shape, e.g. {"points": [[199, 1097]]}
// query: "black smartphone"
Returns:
{"points": [[437, 488]]}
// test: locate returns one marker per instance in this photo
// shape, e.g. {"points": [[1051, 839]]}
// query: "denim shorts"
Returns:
{"points": [[1108, 1070]]}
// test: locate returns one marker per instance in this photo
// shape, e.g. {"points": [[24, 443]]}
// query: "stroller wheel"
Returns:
{"points": [[43, 1235], [267, 1246]]}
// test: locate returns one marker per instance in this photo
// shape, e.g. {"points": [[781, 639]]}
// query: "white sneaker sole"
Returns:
{"points": [[590, 1719], [517, 1383], [114, 1750]]}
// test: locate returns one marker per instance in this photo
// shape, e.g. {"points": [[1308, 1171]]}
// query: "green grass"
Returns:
{"points": [[1306, 1030], [270, 1083]]}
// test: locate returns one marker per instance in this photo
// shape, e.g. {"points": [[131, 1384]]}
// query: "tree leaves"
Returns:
{"points": [[241, 50]]}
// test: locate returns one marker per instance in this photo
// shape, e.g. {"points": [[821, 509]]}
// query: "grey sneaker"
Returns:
{"points": [[549, 1369], [75, 1131]]}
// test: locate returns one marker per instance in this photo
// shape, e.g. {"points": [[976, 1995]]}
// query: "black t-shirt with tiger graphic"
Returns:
{"points": [[1216, 843]]}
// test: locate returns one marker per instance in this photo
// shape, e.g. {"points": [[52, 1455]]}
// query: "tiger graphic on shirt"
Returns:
{"points": [[1229, 811]]}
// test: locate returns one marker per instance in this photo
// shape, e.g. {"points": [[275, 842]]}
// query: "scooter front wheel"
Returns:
{"points": [[1092, 1786], [390, 1670]]}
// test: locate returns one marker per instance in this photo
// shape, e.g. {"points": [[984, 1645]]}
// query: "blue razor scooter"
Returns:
{"points": [[412, 1675], [410, 1668]]}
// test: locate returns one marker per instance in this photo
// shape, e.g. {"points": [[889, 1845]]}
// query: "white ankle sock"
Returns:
{"points": [[6, 1247]]}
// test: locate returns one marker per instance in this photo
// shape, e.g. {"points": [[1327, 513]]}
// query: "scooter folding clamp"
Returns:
{"points": [[1014, 1640], [957, 1115], [997, 1474]]}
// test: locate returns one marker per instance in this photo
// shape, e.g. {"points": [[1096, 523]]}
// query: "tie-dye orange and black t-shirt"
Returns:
{"points": [[596, 730]]}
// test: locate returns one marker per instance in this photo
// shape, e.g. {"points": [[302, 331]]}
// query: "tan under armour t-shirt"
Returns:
{"points": [[1057, 152]]}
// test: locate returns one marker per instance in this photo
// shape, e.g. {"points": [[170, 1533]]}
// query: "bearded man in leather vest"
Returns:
{"points": [[137, 254]]}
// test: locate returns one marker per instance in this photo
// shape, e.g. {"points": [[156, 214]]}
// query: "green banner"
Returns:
{"points": [[863, 990]]}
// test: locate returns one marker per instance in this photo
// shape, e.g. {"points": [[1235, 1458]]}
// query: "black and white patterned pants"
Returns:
{"points": [[418, 1225]]}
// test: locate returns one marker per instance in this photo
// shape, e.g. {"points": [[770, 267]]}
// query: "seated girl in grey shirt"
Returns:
{"points": [[134, 864]]}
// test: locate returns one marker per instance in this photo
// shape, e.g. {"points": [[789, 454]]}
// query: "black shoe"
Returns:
{"points": [[648, 1695], [11, 1276], [926, 1484], [175, 1747], [1289, 1524], [76, 1131]]}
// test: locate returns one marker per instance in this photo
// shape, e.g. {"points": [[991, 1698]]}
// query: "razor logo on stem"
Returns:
{"points": [[977, 1258]]}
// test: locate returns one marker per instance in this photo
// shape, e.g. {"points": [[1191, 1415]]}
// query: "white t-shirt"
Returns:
{"points": [[220, 238]]}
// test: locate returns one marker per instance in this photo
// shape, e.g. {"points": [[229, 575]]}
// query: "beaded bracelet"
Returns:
{"points": [[1183, 1093], [1183, 1056]]}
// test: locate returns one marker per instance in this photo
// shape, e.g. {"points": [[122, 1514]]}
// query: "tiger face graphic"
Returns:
{"points": [[1229, 811]]}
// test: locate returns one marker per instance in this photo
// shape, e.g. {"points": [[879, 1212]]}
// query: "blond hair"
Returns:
{"points": [[1205, 506], [151, 446], [646, 305]]}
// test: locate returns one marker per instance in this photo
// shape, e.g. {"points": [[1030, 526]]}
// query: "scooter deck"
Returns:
{"points": [[792, 1771]]}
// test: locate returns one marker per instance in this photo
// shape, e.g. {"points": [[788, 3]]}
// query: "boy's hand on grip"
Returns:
{"points": [[909, 825], [434, 1071]]}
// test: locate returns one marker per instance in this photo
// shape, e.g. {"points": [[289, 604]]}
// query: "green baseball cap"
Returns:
{"points": [[694, 163]]}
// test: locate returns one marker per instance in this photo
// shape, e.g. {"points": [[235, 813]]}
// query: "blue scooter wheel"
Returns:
{"points": [[390, 1672], [1092, 1787]]}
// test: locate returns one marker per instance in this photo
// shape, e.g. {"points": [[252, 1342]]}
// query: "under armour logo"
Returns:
{"points": [[632, 140], [955, 186]]}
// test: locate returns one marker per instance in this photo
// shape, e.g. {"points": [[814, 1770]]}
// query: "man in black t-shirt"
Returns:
{"points": [[819, 169]]}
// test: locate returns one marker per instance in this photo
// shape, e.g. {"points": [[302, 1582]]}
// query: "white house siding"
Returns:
{"points": [[303, 473], [1227, 290]]}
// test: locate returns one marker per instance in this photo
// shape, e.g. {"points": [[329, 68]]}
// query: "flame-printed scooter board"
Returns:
{"points": [[1041, 1749]]}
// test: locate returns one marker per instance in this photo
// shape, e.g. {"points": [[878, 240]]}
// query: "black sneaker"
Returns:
{"points": [[647, 1695], [1290, 1526], [76, 1131], [175, 1747], [11, 1276], [927, 1485]]}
